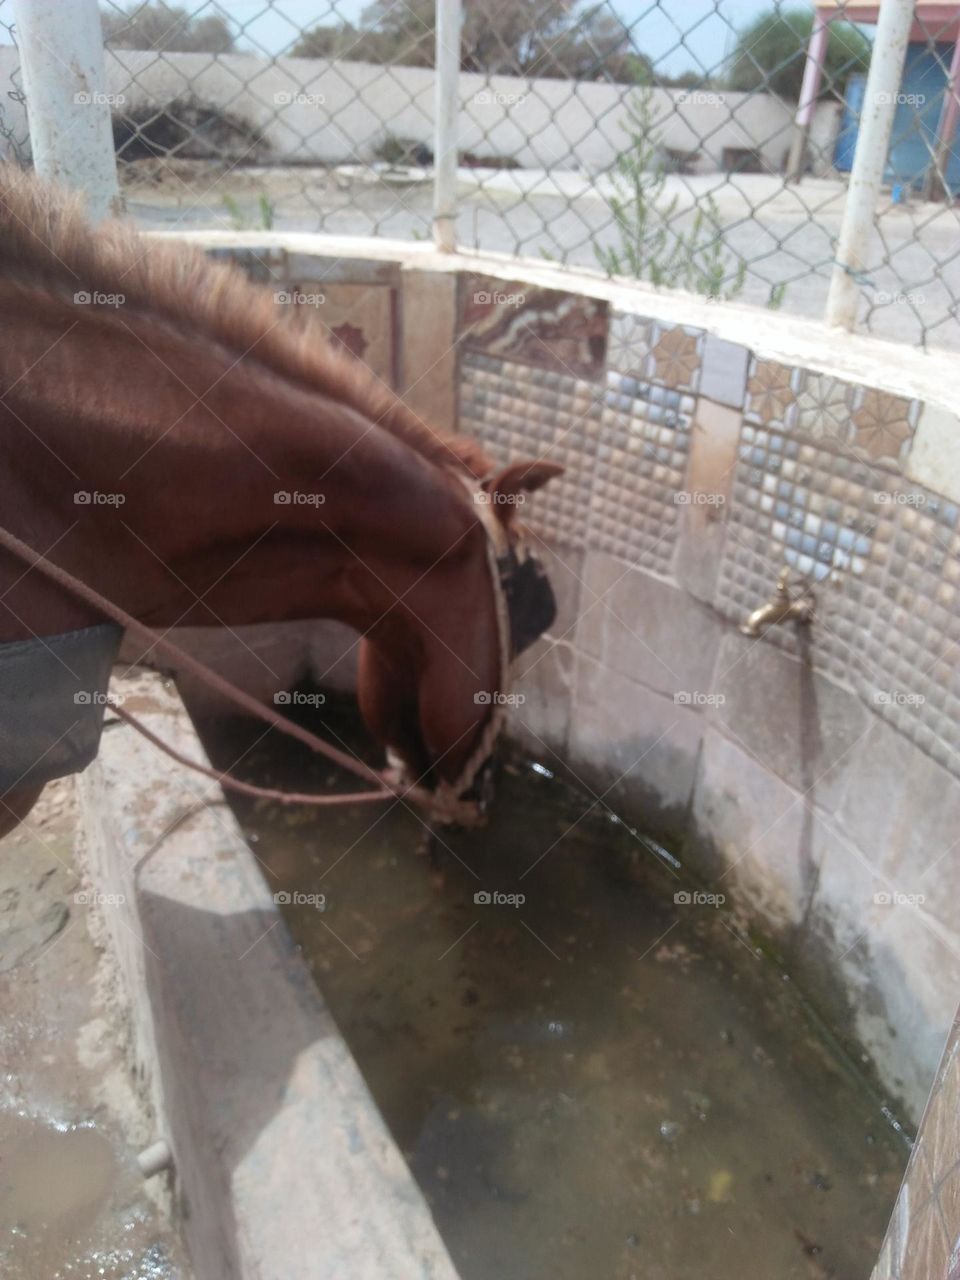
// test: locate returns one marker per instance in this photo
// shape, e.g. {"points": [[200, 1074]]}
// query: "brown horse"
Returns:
{"points": [[173, 440]]}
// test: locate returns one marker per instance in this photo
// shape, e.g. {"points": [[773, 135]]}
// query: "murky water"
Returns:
{"points": [[588, 1078]]}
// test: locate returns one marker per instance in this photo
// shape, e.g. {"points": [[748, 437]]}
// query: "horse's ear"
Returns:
{"points": [[521, 477]]}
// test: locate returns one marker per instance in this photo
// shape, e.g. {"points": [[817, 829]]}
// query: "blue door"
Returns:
{"points": [[849, 122], [918, 114], [915, 121]]}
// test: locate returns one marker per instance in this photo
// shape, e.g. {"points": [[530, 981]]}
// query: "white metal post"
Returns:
{"points": [[68, 109], [869, 161], [446, 107]]}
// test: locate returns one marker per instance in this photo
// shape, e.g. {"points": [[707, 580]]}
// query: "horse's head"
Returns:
{"points": [[479, 609]]}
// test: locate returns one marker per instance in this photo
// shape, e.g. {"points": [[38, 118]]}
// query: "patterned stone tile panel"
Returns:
{"points": [[565, 333]]}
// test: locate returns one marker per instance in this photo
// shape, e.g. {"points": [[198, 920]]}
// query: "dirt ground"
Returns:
{"points": [[73, 1204]]}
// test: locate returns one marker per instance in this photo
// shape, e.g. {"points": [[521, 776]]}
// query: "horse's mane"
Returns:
{"points": [[46, 240]]}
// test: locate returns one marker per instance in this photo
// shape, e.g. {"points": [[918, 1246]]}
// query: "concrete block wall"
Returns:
{"points": [[314, 110]]}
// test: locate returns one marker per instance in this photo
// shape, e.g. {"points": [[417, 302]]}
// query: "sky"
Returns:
{"points": [[679, 35], [674, 33]]}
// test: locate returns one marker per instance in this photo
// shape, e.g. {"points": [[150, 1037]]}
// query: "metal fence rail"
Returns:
{"points": [[669, 142]]}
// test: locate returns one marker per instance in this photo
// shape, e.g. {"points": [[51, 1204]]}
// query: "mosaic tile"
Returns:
{"points": [[641, 462], [518, 411], [884, 425], [669, 354], [563, 332], [677, 357], [631, 344], [771, 393], [825, 408]]}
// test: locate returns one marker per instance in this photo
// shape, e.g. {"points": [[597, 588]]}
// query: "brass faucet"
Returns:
{"points": [[782, 608]]}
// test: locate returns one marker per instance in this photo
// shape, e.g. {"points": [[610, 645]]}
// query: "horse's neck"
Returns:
{"points": [[198, 446]]}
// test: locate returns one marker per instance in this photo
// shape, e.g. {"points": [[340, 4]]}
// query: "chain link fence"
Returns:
{"points": [[704, 145]]}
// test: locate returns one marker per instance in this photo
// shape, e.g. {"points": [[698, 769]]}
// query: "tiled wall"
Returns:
{"points": [[813, 774], [813, 777], [923, 1238]]}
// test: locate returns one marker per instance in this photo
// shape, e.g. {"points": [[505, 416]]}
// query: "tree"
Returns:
{"points": [[552, 38], [154, 24], [771, 52]]}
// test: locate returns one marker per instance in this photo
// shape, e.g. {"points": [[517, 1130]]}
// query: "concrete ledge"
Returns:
{"points": [[931, 376], [285, 1168]]}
